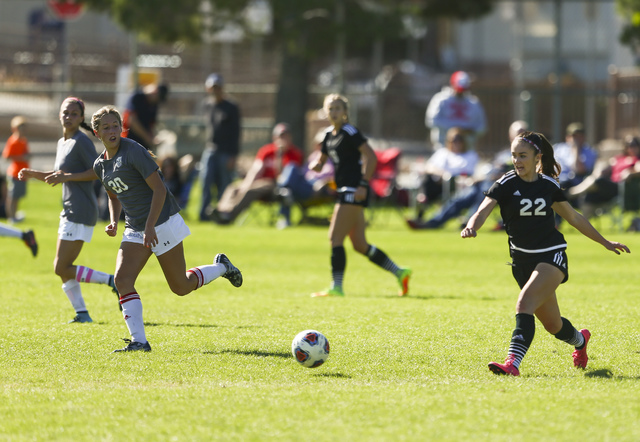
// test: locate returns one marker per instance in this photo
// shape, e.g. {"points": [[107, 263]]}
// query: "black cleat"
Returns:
{"points": [[30, 240], [233, 273], [81, 317], [134, 346]]}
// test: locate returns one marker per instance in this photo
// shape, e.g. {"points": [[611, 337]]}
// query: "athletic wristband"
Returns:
{"points": [[364, 183]]}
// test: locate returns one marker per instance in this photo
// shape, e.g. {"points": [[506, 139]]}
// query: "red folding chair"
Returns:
{"points": [[384, 191]]}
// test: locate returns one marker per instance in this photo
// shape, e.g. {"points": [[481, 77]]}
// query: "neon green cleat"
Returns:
{"points": [[403, 281], [334, 291]]}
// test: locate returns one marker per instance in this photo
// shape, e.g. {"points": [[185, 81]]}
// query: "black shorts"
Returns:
{"points": [[525, 263], [348, 197]]}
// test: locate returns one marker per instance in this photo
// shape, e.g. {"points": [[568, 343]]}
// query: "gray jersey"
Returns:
{"points": [[79, 202], [125, 174]]}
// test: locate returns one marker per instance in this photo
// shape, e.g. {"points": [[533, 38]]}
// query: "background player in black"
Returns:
{"points": [[354, 162], [528, 197]]}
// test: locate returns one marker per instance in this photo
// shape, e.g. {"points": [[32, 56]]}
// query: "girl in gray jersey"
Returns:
{"points": [[75, 155], [152, 224]]}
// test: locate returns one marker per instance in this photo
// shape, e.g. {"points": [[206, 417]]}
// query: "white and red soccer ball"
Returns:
{"points": [[310, 348]]}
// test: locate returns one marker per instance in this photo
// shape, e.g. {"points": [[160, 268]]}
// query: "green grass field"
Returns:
{"points": [[221, 368]]}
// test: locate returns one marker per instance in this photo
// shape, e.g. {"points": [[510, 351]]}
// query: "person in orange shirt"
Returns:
{"points": [[17, 152]]}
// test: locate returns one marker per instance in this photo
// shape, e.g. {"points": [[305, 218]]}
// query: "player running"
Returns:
{"points": [[75, 155], [528, 197], [152, 224], [355, 163]]}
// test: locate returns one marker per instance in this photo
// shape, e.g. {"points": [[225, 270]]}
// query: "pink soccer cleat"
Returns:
{"points": [[506, 368], [580, 357]]}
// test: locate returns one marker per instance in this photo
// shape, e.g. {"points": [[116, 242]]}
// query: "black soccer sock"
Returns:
{"points": [[522, 337], [381, 259], [338, 264], [569, 334]]}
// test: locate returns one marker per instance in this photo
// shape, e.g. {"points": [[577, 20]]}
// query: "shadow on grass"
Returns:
{"points": [[602, 373], [160, 324], [605, 373], [257, 353], [332, 375], [426, 297]]}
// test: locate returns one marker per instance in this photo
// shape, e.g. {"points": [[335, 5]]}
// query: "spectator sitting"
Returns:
{"points": [[454, 161], [260, 181], [575, 156], [471, 197], [301, 184], [179, 175], [601, 187]]}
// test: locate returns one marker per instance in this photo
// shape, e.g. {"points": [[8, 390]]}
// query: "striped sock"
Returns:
{"points": [[338, 265], [207, 273], [522, 337], [380, 258], [569, 334], [86, 274], [132, 313]]}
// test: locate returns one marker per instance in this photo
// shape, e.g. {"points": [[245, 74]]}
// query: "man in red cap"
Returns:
{"points": [[455, 106]]}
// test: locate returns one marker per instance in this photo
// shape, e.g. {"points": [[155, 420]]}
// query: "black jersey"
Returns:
{"points": [[526, 211], [344, 150]]}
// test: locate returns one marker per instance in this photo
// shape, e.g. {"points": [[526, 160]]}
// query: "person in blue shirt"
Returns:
{"points": [[219, 157]]}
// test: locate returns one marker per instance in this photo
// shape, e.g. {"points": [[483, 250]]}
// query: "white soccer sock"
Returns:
{"points": [[132, 313], [85, 274], [207, 273], [10, 231], [74, 293]]}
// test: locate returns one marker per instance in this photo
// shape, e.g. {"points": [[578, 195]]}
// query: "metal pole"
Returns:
{"points": [[378, 54], [340, 45], [590, 109], [133, 59], [556, 110]]}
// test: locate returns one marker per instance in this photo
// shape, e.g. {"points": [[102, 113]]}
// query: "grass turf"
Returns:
{"points": [[400, 368]]}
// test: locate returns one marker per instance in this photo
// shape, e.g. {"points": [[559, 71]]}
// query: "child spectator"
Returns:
{"points": [[17, 152]]}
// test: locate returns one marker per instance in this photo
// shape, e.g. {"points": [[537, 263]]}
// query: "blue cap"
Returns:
{"points": [[214, 80]]}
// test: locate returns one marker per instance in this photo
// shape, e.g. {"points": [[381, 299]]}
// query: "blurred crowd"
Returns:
{"points": [[450, 183]]}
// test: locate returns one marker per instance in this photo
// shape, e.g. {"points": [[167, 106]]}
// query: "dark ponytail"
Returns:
{"points": [[86, 127], [548, 164]]}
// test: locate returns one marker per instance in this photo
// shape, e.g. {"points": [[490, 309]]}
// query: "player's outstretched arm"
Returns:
{"points": [[59, 176], [477, 219], [577, 220], [26, 174]]}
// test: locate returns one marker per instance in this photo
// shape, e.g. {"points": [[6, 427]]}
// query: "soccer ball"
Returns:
{"points": [[310, 348]]}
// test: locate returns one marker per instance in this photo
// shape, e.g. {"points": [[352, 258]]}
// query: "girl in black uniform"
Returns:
{"points": [[354, 162], [528, 197]]}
